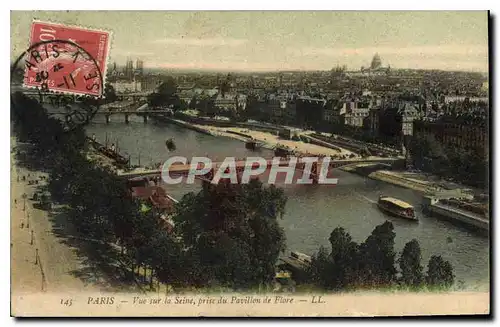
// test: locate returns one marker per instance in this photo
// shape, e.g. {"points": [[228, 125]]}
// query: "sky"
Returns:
{"points": [[280, 40]]}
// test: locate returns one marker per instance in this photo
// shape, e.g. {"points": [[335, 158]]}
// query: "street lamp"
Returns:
{"points": [[24, 201]]}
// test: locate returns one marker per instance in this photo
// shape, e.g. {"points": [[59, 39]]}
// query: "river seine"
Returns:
{"points": [[312, 212]]}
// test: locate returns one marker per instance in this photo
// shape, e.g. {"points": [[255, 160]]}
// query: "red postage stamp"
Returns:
{"points": [[66, 59]]}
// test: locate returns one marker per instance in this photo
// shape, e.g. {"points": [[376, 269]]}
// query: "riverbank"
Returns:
{"points": [[400, 178], [266, 140], [416, 181], [270, 141]]}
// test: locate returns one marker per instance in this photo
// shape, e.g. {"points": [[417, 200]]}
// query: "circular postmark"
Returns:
{"points": [[63, 77]]}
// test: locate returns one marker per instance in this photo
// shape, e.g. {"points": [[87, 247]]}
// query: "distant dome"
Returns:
{"points": [[376, 62]]}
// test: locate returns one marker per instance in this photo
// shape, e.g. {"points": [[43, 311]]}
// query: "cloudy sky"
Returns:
{"points": [[261, 41]]}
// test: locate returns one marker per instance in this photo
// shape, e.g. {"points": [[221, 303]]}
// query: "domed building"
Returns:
{"points": [[376, 62], [376, 67]]}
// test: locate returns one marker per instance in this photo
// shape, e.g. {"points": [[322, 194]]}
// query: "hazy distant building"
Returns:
{"points": [[376, 62], [127, 86], [376, 67], [139, 67], [453, 98], [189, 95], [230, 102], [129, 69], [149, 83]]}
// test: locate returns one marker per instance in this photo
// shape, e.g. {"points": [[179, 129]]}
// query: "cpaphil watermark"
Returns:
{"points": [[295, 170]]}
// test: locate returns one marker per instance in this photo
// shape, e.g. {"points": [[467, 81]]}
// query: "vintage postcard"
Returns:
{"points": [[249, 164]]}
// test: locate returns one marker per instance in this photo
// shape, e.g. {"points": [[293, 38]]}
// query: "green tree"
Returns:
{"points": [[206, 105], [339, 269], [193, 102], [468, 166], [168, 260], [252, 110], [429, 154], [345, 259], [168, 87], [410, 264], [232, 232], [439, 273], [225, 86], [321, 269], [165, 95], [377, 256], [109, 93]]}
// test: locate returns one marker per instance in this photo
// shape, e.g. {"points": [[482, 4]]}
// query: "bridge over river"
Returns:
{"points": [[183, 168], [127, 113]]}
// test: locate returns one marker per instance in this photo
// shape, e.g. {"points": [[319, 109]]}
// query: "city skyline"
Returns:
{"points": [[284, 41]]}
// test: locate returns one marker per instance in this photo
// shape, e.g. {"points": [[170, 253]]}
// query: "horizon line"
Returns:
{"points": [[178, 69], [305, 70]]}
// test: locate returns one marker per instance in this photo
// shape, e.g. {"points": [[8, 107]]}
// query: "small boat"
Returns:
{"points": [[113, 154], [251, 145], [298, 264], [301, 257], [281, 151], [396, 207], [170, 144]]}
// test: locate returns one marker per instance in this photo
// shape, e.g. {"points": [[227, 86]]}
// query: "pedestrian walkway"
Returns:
{"points": [[26, 271], [39, 260]]}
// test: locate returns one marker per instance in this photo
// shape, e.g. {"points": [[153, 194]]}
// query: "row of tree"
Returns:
{"points": [[430, 155], [166, 96], [372, 263]]}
